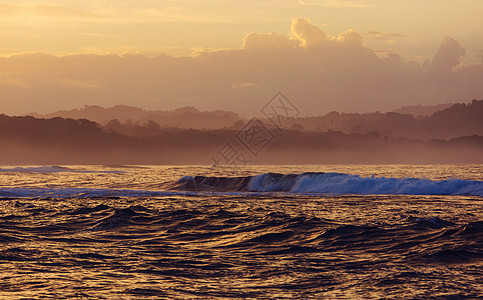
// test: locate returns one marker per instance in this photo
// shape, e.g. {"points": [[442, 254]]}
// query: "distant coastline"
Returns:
{"points": [[453, 135]]}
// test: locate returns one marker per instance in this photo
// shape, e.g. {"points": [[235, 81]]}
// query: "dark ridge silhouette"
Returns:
{"points": [[457, 120], [422, 110], [29, 140], [184, 117], [452, 122]]}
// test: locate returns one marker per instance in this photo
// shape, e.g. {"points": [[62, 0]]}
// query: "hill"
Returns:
{"points": [[462, 119], [29, 140], [422, 110], [185, 117]]}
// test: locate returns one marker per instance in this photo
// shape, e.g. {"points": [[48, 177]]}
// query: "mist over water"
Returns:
{"points": [[140, 232]]}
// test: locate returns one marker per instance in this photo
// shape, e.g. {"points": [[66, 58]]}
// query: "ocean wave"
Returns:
{"points": [[208, 244], [80, 193], [304, 184], [333, 184], [219, 184]]}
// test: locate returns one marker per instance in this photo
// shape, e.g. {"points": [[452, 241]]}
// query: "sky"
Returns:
{"points": [[347, 55]]}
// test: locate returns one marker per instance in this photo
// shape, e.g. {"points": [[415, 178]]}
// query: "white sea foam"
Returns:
{"points": [[306, 183], [341, 184], [52, 169]]}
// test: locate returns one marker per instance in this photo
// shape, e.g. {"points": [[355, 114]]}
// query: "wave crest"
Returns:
{"points": [[332, 184], [341, 184]]}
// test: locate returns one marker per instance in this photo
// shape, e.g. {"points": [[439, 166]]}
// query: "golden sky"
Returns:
{"points": [[325, 55], [175, 27]]}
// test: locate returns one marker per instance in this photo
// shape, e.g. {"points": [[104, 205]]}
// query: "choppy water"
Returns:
{"points": [[131, 232]]}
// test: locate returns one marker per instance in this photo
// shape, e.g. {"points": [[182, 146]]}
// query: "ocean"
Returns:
{"points": [[253, 232]]}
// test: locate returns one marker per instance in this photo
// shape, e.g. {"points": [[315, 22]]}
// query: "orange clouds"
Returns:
{"points": [[317, 71], [334, 3], [303, 34], [385, 36], [306, 33], [272, 40]]}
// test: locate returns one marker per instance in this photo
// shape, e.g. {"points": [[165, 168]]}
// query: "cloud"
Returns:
{"points": [[310, 35], [448, 55], [334, 3], [82, 83], [9, 80], [384, 51], [245, 85], [307, 33], [57, 11], [317, 71], [106, 13], [272, 40], [36, 13], [351, 38], [385, 36]]}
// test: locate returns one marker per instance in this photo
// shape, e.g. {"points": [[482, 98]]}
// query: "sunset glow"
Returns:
{"points": [[413, 28], [257, 149]]}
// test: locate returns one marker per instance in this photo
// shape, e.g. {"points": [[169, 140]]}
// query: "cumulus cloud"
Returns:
{"points": [[311, 36], [448, 55], [272, 40], [351, 38], [318, 72], [304, 34], [307, 33]]}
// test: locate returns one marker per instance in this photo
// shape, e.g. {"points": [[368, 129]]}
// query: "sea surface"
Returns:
{"points": [[254, 232]]}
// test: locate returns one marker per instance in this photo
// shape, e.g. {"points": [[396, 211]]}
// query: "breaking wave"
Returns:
{"points": [[305, 183], [332, 183]]}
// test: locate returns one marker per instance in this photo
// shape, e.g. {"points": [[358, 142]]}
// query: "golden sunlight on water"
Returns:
{"points": [[156, 177], [84, 232]]}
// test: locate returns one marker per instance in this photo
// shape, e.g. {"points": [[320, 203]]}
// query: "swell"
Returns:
{"points": [[331, 183], [207, 183], [272, 234], [305, 183], [11, 193], [248, 247]]}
